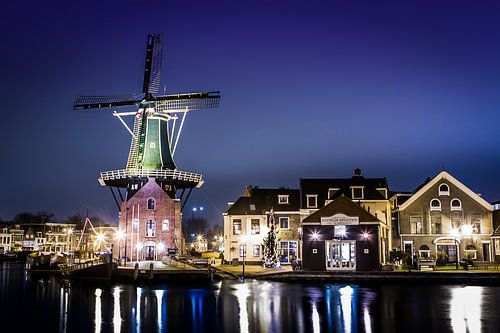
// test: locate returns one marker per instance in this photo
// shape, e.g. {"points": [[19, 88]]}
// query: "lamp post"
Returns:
{"points": [[119, 236], [243, 240], [454, 233]]}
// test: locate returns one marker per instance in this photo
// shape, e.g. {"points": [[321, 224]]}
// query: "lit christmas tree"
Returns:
{"points": [[271, 258]]}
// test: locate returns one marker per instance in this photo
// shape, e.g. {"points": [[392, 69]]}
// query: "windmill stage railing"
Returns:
{"points": [[168, 174]]}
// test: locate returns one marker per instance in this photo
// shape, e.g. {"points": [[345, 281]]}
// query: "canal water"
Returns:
{"points": [[54, 305]]}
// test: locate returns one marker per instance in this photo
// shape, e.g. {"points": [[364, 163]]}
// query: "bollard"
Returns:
{"points": [[136, 270]]}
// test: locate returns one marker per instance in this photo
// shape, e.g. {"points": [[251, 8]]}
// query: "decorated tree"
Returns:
{"points": [[271, 256]]}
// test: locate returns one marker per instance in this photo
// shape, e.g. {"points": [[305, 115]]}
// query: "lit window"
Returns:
{"points": [[435, 205], [283, 199], [456, 204], [150, 228], [243, 250], [312, 200], [151, 204], [436, 224], [456, 221], [252, 207], [284, 222], [357, 193], [236, 227], [471, 252], [255, 225], [424, 252], [476, 224], [135, 225], [256, 250], [165, 225], [152, 145], [444, 189], [339, 231], [416, 224]]}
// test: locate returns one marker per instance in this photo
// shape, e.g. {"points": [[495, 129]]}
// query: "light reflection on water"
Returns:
{"points": [[253, 306]]}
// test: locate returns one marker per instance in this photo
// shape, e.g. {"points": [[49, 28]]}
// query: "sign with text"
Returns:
{"points": [[340, 219]]}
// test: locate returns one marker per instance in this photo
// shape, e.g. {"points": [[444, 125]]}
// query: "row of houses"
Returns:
{"points": [[355, 223], [54, 237]]}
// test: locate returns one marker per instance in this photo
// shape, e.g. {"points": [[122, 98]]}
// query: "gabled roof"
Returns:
{"points": [[342, 205], [263, 200], [421, 189]]}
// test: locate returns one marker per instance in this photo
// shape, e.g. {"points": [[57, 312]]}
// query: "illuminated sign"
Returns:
{"points": [[340, 219]]}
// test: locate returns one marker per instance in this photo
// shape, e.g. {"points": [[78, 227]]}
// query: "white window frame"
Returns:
{"points": [[284, 218], [362, 192], [153, 229], [331, 193], [459, 207], [164, 223], [447, 192], [283, 199], [416, 229], [254, 247], [252, 231], [312, 196], [435, 209], [241, 227]]}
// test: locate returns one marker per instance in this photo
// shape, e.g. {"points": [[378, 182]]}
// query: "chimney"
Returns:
{"points": [[357, 172]]}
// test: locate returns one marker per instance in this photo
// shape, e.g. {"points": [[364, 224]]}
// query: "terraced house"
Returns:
{"points": [[246, 223], [443, 219]]}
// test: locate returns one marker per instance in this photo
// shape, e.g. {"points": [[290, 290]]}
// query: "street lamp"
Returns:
{"points": [[120, 234], [454, 233], [243, 240]]}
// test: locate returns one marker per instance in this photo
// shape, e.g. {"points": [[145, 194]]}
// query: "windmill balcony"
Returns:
{"points": [[167, 174]]}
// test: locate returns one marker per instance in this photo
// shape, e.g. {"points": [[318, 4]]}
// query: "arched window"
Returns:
{"points": [[150, 228], [435, 205], [444, 189], [456, 204], [165, 225], [135, 225], [151, 204], [424, 251]]}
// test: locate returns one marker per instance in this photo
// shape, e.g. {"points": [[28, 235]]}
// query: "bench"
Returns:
{"points": [[484, 264], [426, 264]]}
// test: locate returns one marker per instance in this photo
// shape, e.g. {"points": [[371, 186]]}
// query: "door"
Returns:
{"points": [[486, 251], [340, 255], [150, 253]]}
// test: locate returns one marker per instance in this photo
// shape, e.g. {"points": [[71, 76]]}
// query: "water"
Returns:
{"points": [[55, 305]]}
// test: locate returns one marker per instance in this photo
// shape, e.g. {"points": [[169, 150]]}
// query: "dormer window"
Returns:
{"points": [[252, 207], [331, 192], [444, 189], [435, 205], [456, 204], [283, 199], [357, 192], [151, 204], [312, 200]]}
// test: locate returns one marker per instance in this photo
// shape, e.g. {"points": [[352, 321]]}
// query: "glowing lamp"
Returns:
{"points": [[138, 246], [161, 247]]}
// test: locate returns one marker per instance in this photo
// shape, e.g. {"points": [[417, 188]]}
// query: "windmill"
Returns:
{"points": [[158, 124]]}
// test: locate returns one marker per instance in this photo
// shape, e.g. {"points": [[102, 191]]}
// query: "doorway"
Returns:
{"points": [[149, 253], [486, 251], [340, 254]]}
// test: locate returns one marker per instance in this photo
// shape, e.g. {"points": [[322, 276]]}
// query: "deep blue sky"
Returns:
{"points": [[310, 89]]}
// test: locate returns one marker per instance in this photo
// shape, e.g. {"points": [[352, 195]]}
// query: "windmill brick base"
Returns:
{"points": [[152, 222]]}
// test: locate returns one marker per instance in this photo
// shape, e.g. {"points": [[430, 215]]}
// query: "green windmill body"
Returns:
{"points": [[158, 124]]}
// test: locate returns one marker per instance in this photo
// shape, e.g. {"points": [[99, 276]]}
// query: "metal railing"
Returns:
{"points": [[66, 268], [170, 174]]}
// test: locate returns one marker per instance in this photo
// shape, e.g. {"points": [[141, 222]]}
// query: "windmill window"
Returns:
{"points": [[150, 228], [456, 204], [151, 204], [152, 145], [165, 225], [444, 189], [435, 205]]}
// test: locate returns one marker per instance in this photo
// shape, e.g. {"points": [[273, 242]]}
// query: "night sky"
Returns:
{"points": [[310, 89]]}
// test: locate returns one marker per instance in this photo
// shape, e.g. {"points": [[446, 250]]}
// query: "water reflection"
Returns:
{"points": [[465, 309], [234, 306]]}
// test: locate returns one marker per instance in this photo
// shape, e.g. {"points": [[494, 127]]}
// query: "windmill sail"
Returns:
{"points": [[152, 68], [97, 102]]}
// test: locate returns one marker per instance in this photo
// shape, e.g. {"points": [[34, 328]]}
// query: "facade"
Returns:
{"points": [[151, 222], [445, 220], [5, 238], [59, 237], [341, 235], [246, 224], [370, 194]]}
